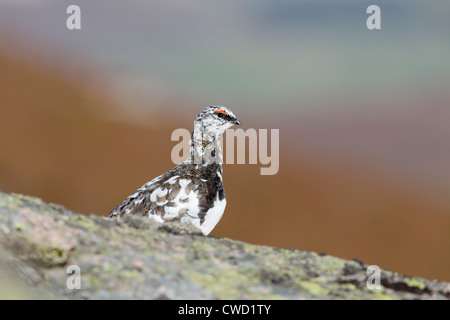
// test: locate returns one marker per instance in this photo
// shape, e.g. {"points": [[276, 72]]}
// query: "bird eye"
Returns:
{"points": [[220, 113]]}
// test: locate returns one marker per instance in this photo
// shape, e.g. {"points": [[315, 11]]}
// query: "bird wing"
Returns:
{"points": [[178, 195], [138, 202], [167, 197]]}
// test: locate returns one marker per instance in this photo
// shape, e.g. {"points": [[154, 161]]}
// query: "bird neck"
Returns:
{"points": [[205, 147]]}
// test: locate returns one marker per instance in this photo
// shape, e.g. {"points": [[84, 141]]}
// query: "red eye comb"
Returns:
{"points": [[220, 111]]}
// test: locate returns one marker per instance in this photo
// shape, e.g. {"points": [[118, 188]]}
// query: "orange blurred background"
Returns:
{"points": [[77, 155], [87, 115]]}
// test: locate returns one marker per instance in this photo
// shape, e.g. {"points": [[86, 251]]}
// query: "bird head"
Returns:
{"points": [[214, 120]]}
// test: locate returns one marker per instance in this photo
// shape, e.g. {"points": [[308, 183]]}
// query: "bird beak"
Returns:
{"points": [[238, 122]]}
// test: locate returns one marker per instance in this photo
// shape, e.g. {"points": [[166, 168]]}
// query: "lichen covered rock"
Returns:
{"points": [[135, 258]]}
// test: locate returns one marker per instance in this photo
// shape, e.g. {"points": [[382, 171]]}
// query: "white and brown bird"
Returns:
{"points": [[192, 192]]}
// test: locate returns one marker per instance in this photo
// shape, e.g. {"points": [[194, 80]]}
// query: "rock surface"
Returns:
{"points": [[135, 258]]}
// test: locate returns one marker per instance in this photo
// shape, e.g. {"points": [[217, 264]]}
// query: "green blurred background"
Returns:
{"points": [[86, 115]]}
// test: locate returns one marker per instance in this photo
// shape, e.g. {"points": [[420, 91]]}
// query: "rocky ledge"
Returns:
{"points": [[48, 251]]}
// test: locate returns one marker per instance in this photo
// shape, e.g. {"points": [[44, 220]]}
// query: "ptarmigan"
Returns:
{"points": [[192, 192]]}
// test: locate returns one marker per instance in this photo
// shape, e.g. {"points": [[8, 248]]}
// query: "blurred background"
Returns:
{"points": [[87, 115]]}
